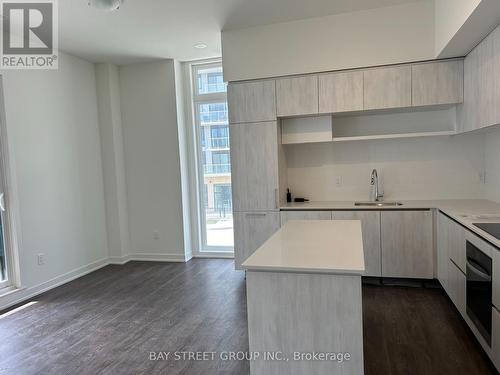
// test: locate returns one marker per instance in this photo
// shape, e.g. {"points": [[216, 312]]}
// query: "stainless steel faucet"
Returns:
{"points": [[376, 195]]}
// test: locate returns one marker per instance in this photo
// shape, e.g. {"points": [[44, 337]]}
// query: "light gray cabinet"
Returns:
{"points": [[443, 240], [296, 96], [251, 230], [481, 85], [451, 240], [370, 223], [341, 92], [254, 166], [305, 215], [496, 278], [387, 87], [456, 287], [252, 101], [436, 83], [495, 346], [407, 244]]}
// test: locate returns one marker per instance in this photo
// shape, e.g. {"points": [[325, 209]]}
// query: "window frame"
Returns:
{"points": [[202, 249]]}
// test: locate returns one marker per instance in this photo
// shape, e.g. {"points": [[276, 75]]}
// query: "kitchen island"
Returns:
{"points": [[304, 300]]}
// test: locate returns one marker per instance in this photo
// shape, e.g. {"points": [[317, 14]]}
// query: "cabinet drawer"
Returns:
{"points": [[495, 345], [496, 278]]}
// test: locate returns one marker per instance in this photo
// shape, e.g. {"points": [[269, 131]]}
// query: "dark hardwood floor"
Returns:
{"points": [[109, 321]]}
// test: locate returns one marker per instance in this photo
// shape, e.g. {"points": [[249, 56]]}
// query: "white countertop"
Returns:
{"points": [[312, 246], [464, 211]]}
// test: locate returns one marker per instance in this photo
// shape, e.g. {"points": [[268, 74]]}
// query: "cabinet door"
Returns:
{"points": [[496, 278], [251, 230], [437, 83], [388, 87], [444, 234], [254, 166], [454, 234], [297, 96], [407, 244], [341, 92], [370, 224], [457, 285], [252, 101], [305, 215], [495, 346]]}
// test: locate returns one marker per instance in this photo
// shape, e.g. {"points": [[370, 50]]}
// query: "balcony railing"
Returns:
{"points": [[217, 143], [217, 168]]}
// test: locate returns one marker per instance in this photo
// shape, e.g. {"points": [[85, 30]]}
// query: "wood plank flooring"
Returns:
{"points": [[109, 321]]}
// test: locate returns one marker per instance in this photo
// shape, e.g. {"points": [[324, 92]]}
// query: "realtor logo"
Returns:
{"points": [[29, 34]]}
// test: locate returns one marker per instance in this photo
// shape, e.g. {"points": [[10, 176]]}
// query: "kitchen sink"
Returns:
{"points": [[378, 204]]}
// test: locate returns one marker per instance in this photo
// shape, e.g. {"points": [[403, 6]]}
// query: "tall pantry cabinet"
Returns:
{"points": [[256, 157]]}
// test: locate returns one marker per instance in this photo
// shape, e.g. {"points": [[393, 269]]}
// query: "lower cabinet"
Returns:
{"points": [[495, 345], [370, 222], [251, 230], [496, 278], [305, 215], [407, 244], [456, 287]]}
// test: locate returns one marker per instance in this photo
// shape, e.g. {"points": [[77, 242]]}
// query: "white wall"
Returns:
{"points": [[450, 16], [373, 37], [492, 159], [53, 135], [420, 168], [113, 162], [152, 165]]}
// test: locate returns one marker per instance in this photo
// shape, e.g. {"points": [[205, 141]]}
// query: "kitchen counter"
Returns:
{"points": [[306, 277], [464, 211], [313, 246]]}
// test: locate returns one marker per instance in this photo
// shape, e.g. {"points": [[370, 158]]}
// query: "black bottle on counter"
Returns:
{"points": [[288, 196]]}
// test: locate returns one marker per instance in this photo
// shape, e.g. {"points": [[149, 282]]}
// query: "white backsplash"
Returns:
{"points": [[417, 168], [492, 161]]}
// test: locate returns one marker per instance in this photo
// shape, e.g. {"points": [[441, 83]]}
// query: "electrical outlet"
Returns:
{"points": [[339, 181], [41, 259], [156, 235]]}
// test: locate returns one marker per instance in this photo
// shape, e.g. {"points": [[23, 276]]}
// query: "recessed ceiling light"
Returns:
{"points": [[105, 4], [200, 45]]}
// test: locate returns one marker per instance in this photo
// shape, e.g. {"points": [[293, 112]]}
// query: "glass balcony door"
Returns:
{"points": [[213, 159]]}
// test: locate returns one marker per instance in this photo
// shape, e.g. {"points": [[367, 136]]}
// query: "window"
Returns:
{"points": [[215, 221]]}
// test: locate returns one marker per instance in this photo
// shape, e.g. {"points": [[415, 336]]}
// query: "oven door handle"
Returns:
{"points": [[478, 272]]}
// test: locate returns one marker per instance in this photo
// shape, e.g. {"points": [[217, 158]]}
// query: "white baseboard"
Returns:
{"points": [[157, 257], [19, 295]]}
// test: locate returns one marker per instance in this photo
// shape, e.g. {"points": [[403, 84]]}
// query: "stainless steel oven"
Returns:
{"points": [[479, 290]]}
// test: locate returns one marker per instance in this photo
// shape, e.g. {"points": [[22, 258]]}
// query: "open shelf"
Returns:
{"points": [[393, 125], [394, 136]]}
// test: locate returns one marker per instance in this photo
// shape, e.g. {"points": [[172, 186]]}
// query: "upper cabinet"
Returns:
{"points": [[297, 96], [252, 101], [387, 87], [341, 92], [437, 83], [481, 86]]}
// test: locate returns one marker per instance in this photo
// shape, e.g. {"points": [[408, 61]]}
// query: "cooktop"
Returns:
{"points": [[490, 228]]}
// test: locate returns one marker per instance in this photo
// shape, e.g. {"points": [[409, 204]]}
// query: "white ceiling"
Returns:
{"points": [[145, 30]]}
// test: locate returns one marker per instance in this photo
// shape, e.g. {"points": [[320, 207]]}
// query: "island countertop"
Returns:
{"points": [[312, 246]]}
